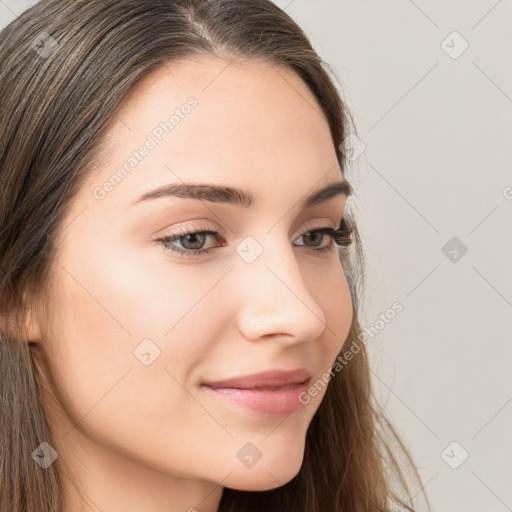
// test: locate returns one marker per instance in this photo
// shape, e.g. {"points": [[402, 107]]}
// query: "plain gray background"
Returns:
{"points": [[433, 197]]}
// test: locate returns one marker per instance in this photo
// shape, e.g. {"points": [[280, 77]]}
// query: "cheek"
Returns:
{"points": [[109, 350], [122, 315], [333, 295], [99, 348]]}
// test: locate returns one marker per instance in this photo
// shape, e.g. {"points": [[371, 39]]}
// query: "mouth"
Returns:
{"points": [[269, 400]]}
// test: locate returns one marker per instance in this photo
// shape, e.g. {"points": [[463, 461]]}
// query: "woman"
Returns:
{"points": [[179, 270]]}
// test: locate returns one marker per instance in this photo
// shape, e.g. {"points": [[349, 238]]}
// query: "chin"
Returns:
{"points": [[264, 477]]}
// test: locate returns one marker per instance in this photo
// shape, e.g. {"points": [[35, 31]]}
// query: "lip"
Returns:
{"points": [[270, 379], [271, 393]]}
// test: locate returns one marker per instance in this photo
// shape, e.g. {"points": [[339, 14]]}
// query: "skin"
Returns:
{"points": [[137, 437]]}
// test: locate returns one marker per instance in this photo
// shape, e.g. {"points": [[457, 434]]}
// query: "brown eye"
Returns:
{"points": [[315, 236], [191, 242]]}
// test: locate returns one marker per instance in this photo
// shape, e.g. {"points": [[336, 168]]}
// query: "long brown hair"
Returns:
{"points": [[65, 68]]}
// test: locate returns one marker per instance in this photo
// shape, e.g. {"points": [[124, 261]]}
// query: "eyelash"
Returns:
{"points": [[340, 236]]}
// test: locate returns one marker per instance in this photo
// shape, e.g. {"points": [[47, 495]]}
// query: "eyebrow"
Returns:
{"points": [[237, 196]]}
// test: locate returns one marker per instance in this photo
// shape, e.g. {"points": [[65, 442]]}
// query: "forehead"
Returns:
{"points": [[212, 120]]}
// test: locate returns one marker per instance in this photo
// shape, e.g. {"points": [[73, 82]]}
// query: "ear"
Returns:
{"points": [[32, 325]]}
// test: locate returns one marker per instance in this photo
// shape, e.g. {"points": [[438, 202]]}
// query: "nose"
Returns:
{"points": [[273, 298]]}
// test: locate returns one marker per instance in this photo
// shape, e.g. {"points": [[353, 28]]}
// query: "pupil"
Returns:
{"points": [[190, 238], [313, 234]]}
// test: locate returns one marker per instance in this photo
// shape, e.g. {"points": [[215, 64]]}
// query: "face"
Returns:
{"points": [[137, 329]]}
